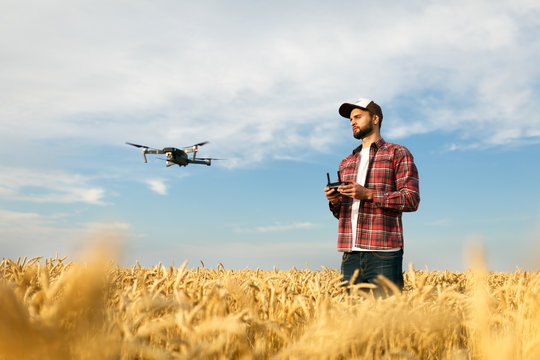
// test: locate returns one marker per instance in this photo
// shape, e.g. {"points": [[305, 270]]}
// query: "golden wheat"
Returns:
{"points": [[53, 309]]}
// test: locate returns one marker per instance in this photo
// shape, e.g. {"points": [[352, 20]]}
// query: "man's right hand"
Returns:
{"points": [[332, 195]]}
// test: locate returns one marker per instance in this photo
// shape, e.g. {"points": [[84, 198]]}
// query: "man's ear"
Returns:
{"points": [[376, 119]]}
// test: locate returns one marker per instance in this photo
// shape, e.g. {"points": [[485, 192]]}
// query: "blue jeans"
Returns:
{"points": [[371, 264]]}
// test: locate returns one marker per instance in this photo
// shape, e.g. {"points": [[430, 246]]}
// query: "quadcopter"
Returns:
{"points": [[177, 156]]}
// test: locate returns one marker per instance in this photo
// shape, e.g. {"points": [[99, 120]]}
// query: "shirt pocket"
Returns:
{"points": [[382, 175], [385, 161]]}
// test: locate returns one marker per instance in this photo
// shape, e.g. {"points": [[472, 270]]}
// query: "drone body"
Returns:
{"points": [[176, 156]]}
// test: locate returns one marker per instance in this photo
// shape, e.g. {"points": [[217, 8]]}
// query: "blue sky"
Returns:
{"points": [[458, 84]]}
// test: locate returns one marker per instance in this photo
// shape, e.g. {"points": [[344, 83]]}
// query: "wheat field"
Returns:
{"points": [[57, 309]]}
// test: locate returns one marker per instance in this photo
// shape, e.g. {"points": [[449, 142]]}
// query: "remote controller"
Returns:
{"points": [[337, 184]]}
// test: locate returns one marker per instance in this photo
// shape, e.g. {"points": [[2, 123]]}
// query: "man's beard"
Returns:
{"points": [[363, 132]]}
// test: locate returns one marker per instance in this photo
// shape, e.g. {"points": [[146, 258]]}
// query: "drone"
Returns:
{"points": [[177, 156]]}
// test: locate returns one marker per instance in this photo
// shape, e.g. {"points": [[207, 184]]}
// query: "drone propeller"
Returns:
{"points": [[196, 145], [200, 158], [137, 145]]}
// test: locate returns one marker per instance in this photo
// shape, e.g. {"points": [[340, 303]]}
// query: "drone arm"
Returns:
{"points": [[144, 150], [194, 149], [148, 151], [201, 162]]}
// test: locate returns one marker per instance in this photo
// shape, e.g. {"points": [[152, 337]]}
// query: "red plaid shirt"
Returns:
{"points": [[393, 178]]}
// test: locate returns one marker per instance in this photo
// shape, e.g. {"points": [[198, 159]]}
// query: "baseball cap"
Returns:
{"points": [[364, 104]]}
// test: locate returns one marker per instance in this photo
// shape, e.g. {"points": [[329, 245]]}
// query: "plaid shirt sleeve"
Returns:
{"points": [[393, 178], [401, 192]]}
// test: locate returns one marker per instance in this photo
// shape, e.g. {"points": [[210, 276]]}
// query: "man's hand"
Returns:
{"points": [[356, 191], [332, 194]]}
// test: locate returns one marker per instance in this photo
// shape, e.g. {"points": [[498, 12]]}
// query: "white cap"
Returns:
{"points": [[364, 104]]}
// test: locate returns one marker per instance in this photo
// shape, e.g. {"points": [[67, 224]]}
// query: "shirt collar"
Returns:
{"points": [[377, 144]]}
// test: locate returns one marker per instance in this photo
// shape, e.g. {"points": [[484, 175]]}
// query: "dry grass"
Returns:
{"points": [[53, 309]]}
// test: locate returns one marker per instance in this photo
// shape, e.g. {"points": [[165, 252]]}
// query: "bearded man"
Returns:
{"points": [[381, 183]]}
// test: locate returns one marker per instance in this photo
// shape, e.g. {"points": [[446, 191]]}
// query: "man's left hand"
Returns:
{"points": [[356, 191]]}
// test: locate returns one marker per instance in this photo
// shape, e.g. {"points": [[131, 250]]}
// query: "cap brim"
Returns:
{"points": [[346, 108]]}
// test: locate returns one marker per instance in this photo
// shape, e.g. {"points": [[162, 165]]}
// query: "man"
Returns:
{"points": [[382, 182]]}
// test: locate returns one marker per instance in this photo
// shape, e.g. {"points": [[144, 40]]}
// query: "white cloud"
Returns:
{"points": [[21, 231], [462, 147], [157, 186], [38, 186], [185, 72], [31, 234], [10, 217]]}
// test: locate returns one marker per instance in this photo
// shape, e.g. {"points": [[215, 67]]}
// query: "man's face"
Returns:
{"points": [[361, 122]]}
